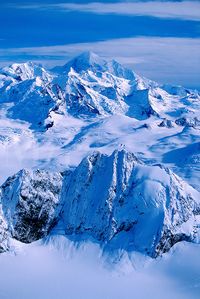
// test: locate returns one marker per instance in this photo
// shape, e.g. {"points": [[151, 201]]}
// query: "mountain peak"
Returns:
{"points": [[24, 71], [89, 60], [86, 60], [82, 62], [89, 57]]}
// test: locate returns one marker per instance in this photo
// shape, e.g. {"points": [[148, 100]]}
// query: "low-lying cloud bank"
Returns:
{"points": [[44, 272]]}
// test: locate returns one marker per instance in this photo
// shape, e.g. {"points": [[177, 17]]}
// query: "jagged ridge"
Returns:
{"points": [[114, 200]]}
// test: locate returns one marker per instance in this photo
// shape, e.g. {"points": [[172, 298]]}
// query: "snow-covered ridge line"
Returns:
{"points": [[88, 87], [116, 201]]}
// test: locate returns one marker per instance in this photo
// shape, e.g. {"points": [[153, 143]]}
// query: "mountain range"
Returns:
{"points": [[95, 141], [89, 86]]}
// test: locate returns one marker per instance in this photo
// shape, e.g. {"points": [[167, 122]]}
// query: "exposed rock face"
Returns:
{"points": [[31, 203], [4, 236], [114, 200], [166, 123], [189, 122], [124, 204]]}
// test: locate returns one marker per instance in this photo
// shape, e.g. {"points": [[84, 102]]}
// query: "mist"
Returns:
{"points": [[62, 271]]}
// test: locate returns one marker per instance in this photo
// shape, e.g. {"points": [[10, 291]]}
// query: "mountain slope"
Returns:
{"points": [[127, 205], [114, 200], [34, 100], [4, 235]]}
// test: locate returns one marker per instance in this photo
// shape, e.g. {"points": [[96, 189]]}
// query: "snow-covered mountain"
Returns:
{"points": [[71, 122], [25, 71], [128, 205], [114, 200], [89, 86]]}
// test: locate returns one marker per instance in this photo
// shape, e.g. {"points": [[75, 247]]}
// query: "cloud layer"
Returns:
{"points": [[187, 10], [44, 272]]}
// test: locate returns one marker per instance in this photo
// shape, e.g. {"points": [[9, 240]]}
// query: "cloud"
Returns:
{"points": [[187, 10], [45, 272], [169, 60]]}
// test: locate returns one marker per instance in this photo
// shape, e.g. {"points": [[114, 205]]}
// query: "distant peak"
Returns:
{"points": [[88, 56], [24, 71], [84, 61], [24, 65], [88, 60]]}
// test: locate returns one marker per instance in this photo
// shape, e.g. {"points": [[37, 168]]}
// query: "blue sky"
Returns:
{"points": [[159, 39]]}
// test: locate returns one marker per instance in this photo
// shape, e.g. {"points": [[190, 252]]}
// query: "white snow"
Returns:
{"points": [[52, 120]]}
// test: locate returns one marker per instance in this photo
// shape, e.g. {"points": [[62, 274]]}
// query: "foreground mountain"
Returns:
{"points": [[116, 201], [90, 87]]}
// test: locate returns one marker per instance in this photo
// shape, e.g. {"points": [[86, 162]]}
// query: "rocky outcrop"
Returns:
{"points": [[4, 235], [166, 123], [30, 201], [189, 122]]}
